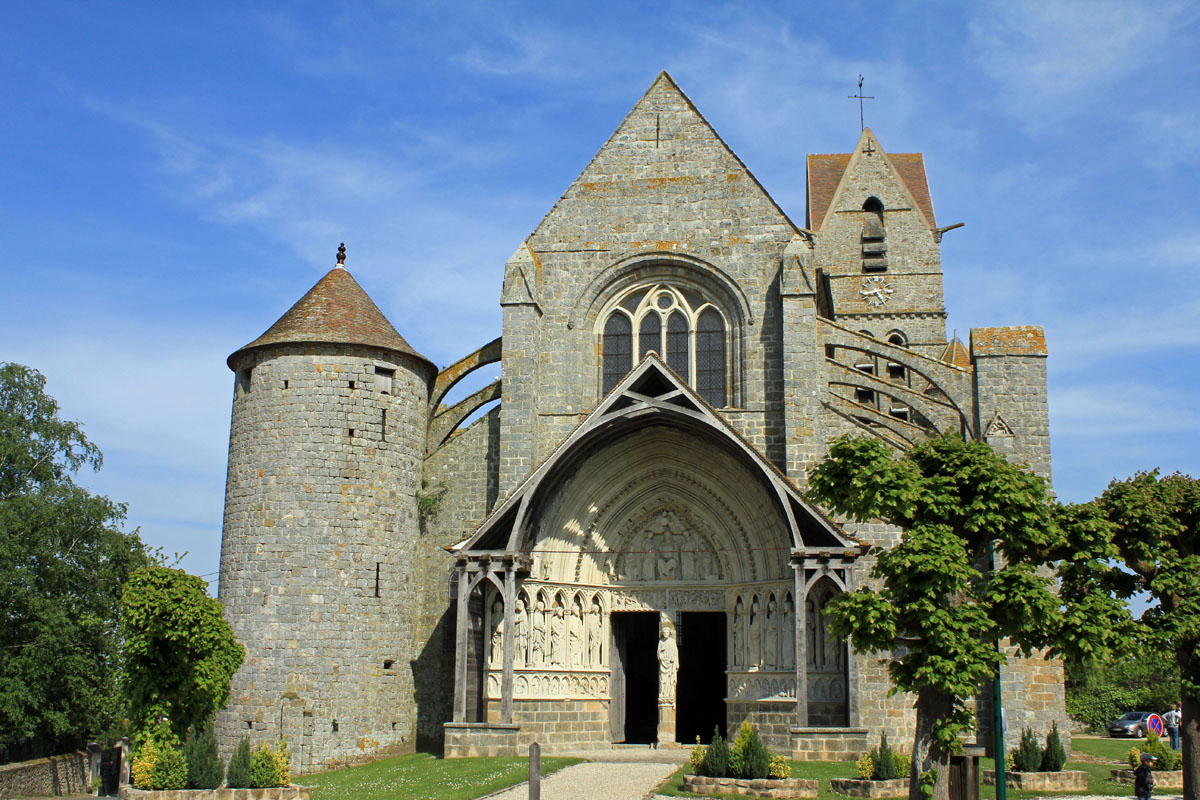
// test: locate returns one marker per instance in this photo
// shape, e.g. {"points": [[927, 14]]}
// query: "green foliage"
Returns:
{"points": [[1028, 755], [1164, 757], [63, 561], [429, 500], [170, 771], [1055, 755], [158, 763], [927, 782], [716, 757], [752, 755], [238, 776], [1134, 756], [179, 651], [270, 766], [696, 757], [204, 766], [865, 766], [1101, 692], [883, 762], [951, 499], [780, 767]]}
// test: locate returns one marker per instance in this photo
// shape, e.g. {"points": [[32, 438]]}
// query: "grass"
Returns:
{"points": [[422, 776], [1112, 750]]}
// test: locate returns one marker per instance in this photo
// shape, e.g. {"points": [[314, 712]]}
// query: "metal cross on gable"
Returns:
{"points": [[860, 97]]}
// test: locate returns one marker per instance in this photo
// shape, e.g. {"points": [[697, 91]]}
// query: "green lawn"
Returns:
{"points": [[1098, 774], [425, 777]]}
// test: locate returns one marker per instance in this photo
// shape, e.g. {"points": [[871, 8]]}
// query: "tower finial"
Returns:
{"points": [[342, 255], [860, 97]]}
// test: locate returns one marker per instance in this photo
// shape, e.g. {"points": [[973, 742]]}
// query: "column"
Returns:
{"points": [[506, 681], [668, 673], [461, 631], [801, 602]]}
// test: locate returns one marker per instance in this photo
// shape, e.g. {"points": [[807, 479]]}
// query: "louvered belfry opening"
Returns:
{"points": [[874, 248]]}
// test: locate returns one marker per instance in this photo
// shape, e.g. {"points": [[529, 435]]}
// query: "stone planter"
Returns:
{"points": [[1163, 779], [1068, 780], [292, 792], [865, 787], [753, 787]]}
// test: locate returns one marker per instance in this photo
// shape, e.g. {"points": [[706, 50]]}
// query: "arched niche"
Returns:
{"points": [[828, 659]]}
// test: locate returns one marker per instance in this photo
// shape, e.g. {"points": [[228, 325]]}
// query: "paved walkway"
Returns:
{"points": [[597, 781]]}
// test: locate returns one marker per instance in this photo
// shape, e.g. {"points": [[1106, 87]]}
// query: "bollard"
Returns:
{"points": [[535, 771]]}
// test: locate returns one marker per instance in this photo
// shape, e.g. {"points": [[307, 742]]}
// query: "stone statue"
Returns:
{"points": [[595, 631], [537, 655], [556, 634], [754, 654], [497, 633], [771, 642], [810, 628], [575, 636], [788, 646], [668, 665], [520, 635]]}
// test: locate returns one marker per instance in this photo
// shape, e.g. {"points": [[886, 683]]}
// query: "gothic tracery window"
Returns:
{"points": [[690, 334]]}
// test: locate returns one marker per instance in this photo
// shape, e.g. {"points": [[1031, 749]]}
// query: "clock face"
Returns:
{"points": [[875, 291]]}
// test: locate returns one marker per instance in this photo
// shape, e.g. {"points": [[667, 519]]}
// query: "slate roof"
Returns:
{"points": [[335, 311], [825, 173]]}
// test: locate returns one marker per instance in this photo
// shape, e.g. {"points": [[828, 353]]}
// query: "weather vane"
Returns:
{"points": [[860, 97], [342, 255]]}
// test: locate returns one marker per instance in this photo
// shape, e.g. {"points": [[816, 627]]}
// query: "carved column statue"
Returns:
{"points": [[668, 674]]}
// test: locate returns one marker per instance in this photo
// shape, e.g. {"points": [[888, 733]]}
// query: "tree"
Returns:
{"points": [[933, 604], [179, 652], [63, 561], [1155, 527]]}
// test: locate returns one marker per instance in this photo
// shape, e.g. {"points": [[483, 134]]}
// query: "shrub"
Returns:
{"points": [[756, 758], [1133, 756], [170, 771], [238, 776], [1164, 757], [204, 766], [696, 756], [142, 765], [1054, 756], [887, 763], [865, 766], [716, 757], [270, 767], [1028, 755], [158, 762], [737, 750], [780, 768], [901, 764]]}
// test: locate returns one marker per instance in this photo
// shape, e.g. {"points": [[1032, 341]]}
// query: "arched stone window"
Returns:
{"points": [[874, 248], [691, 334]]}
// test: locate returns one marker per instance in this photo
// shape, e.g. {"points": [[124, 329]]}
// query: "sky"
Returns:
{"points": [[174, 176]]}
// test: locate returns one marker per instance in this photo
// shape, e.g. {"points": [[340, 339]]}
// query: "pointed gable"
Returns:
{"points": [[334, 311], [827, 174]]}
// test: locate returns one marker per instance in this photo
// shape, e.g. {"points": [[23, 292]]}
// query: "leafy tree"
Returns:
{"points": [[1101, 692], [932, 601], [63, 561], [1155, 527], [179, 652]]}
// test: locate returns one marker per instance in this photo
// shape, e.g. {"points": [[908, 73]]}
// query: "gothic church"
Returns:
{"points": [[619, 551]]}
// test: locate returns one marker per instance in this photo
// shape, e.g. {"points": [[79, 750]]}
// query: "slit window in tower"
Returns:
{"points": [[383, 379], [285, 384], [350, 432], [649, 334], [377, 563], [351, 385], [618, 350], [677, 345], [710, 358], [383, 424]]}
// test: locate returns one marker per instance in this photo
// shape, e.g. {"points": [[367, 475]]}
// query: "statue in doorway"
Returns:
{"points": [[556, 634], [520, 636], [595, 631], [789, 635], [497, 632], [668, 665], [771, 649], [575, 636], [537, 655], [754, 657]]}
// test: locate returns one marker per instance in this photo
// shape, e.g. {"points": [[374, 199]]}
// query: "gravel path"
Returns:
{"points": [[607, 781]]}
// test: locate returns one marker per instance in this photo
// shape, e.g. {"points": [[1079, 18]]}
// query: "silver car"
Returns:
{"points": [[1134, 724]]}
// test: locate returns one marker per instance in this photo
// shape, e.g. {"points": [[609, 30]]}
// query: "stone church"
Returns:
{"points": [[619, 552]]}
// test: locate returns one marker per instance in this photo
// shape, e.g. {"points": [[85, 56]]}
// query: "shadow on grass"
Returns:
{"points": [[422, 776]]}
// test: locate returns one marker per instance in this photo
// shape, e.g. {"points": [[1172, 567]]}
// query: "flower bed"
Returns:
{"points": [[753, 787], [1163, 779], [865, 787], [291, 792], [1067, 780]]}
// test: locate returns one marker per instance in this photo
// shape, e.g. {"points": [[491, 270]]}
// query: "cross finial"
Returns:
{"points": [[860, 97], [342, 255]]}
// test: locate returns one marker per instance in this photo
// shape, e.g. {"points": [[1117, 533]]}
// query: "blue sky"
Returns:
{"points": [[175, 176]]}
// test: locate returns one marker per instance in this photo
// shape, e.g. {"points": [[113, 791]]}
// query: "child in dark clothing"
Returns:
{"points": [[1143, 777]]}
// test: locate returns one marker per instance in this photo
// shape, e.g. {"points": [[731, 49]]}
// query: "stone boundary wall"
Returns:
{"points": [[828, 744], [774, 720], [755, 787], [46, 777], [865, 787], [292, 792], [1064, 781], [476, 739], [1163, 779]]}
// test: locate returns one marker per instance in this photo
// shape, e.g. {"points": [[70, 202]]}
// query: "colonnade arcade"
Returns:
{"points": [[655, 565]]}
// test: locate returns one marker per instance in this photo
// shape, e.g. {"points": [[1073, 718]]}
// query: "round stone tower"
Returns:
{"points": [[317, 551]]}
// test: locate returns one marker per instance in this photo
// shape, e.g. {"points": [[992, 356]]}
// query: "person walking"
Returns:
{"points": [[1143, 778], [1172, 720]]}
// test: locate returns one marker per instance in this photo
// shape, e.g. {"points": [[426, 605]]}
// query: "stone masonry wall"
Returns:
{"points": [[317, 551], [560, 725], [465, 472], [774, 720], [45, 777]]}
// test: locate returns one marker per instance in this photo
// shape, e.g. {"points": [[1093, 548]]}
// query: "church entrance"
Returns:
{"points": [[700, 703], [634, 684]]}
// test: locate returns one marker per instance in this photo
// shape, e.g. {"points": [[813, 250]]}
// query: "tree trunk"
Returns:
{"points": [[932, 705], [1189, 732]]}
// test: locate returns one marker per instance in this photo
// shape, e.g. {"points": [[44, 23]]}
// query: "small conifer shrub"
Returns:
{"points": [[238, 776], [716, 757], [204, 766], [1054, 756], [1028, 755]]}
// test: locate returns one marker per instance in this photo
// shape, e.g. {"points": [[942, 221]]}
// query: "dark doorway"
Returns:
{"points": [[700, 698], [634, 677]]}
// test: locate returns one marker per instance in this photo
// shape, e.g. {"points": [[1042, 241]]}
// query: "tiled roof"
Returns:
{"points": [[335, 311], [1017, 340], [825, 171], [955, 353]]}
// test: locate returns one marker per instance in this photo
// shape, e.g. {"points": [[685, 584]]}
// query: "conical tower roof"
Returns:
{"points": [[335, 311]]}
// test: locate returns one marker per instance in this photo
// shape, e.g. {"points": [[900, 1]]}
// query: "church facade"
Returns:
{"points": [[620, 551]]}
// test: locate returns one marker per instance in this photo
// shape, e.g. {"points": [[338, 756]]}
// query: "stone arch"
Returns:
{"points": [[827, 656]]}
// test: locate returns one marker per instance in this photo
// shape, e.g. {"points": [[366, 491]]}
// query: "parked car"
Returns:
{"points": [[1134, 724]]}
